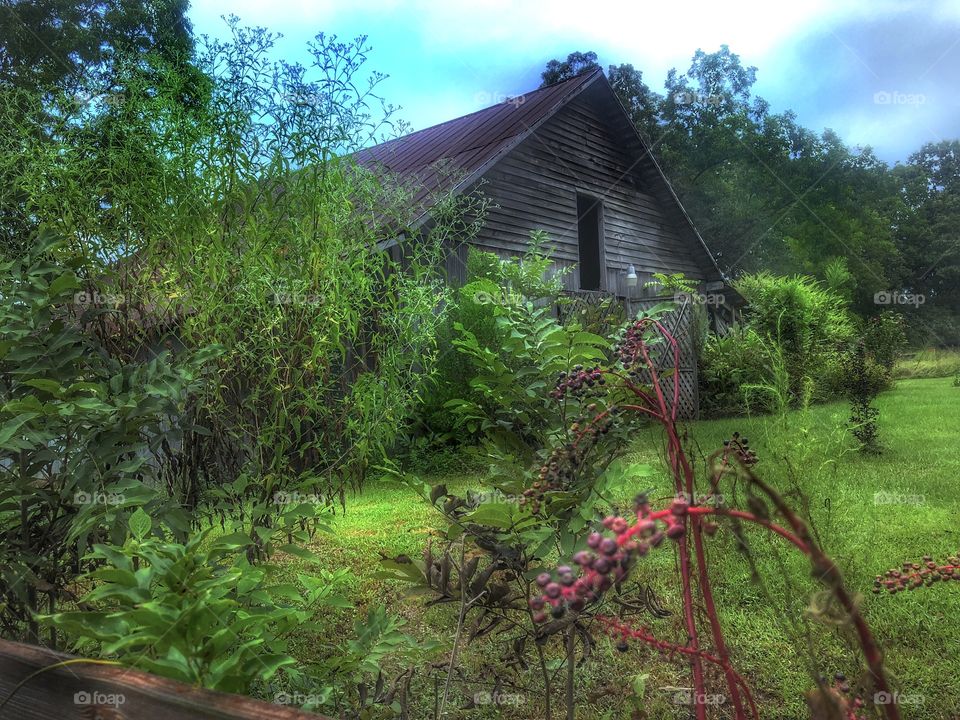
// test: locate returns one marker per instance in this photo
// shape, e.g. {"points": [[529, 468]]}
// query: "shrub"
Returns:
{"points": [[77, 433], [810, 324], [513, 415], [738, 372], [471, 309], [884, 338], [865, 378], [495, 284], [197, 612]]}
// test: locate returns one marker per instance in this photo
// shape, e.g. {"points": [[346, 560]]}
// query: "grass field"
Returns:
{"points": [[809, 457]]}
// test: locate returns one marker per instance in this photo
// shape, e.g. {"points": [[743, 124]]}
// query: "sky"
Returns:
{"points": [[883, 73]]}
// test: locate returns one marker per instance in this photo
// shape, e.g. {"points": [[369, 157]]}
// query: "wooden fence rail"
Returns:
{"points": [[86, 691]]}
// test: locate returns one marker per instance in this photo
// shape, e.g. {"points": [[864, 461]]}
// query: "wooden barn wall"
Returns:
{"points": [[536, 185]]}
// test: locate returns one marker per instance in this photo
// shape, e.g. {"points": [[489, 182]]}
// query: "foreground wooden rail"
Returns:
{"points": [[70, 692]]}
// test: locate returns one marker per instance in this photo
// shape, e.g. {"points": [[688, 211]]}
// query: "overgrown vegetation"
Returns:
{"points": [[205, 351]]}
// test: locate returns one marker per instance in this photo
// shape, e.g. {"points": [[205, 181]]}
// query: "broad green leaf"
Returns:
{"points": [[139, 524]]}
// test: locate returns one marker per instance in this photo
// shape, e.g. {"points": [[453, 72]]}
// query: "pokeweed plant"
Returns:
{"points": [[496, 539], [572, 591]]}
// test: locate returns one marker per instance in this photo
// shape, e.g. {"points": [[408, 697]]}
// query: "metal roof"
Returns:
{"points": [[456, 152]]}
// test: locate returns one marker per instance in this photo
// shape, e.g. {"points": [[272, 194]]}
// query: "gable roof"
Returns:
{"points": [[453, 155]]}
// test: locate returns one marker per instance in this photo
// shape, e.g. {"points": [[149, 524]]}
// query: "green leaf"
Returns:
{"points": [[48, 386], [67, 281], [493, 514], [267, 665], [233, 541], [11, 427], [139, 524]]}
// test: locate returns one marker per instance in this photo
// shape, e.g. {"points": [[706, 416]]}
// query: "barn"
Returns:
{"points": [[565, 159]]}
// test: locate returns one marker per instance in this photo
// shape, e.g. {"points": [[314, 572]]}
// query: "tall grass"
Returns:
{"points": [[929, 363]]}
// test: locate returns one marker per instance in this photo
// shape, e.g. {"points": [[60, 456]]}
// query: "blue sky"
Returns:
{"points": [[884, 73]]}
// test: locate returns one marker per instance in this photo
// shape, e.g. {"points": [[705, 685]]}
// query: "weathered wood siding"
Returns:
{"points": [[582, 149]]}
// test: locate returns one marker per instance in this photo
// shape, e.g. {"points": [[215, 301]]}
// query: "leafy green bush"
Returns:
{"points": [[472, 310], [494, 282], [200, 613], [78, 431], [196, 612], [810, 324], [515, 415], [865, 378], [739, 371]]}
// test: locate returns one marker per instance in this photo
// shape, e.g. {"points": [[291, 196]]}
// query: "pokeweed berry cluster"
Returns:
{"points": [[608, 560], [629, 350], [843, 699], [562, 464], [911, 576], [741, 447], [579, 382]]}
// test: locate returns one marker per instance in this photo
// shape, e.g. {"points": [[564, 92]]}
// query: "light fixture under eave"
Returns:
{"points": [[631, 276]]}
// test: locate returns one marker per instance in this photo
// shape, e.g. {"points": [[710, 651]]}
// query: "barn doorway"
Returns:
{"points": [[590, 241]]}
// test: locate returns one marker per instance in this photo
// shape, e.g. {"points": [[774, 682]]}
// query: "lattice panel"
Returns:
{"points": [[680, 324]]}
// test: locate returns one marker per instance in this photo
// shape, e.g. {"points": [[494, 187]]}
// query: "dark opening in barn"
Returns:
{"points": [[588, 234]]}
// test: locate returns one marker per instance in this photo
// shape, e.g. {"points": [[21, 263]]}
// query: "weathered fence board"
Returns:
{"points": [[69, 693]]}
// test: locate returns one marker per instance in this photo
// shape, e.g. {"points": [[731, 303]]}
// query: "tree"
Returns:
{"points": [[64, 45], [577, 63], [86, 93]]}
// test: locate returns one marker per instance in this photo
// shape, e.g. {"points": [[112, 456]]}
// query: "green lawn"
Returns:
{"points": [[807, 456]]}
